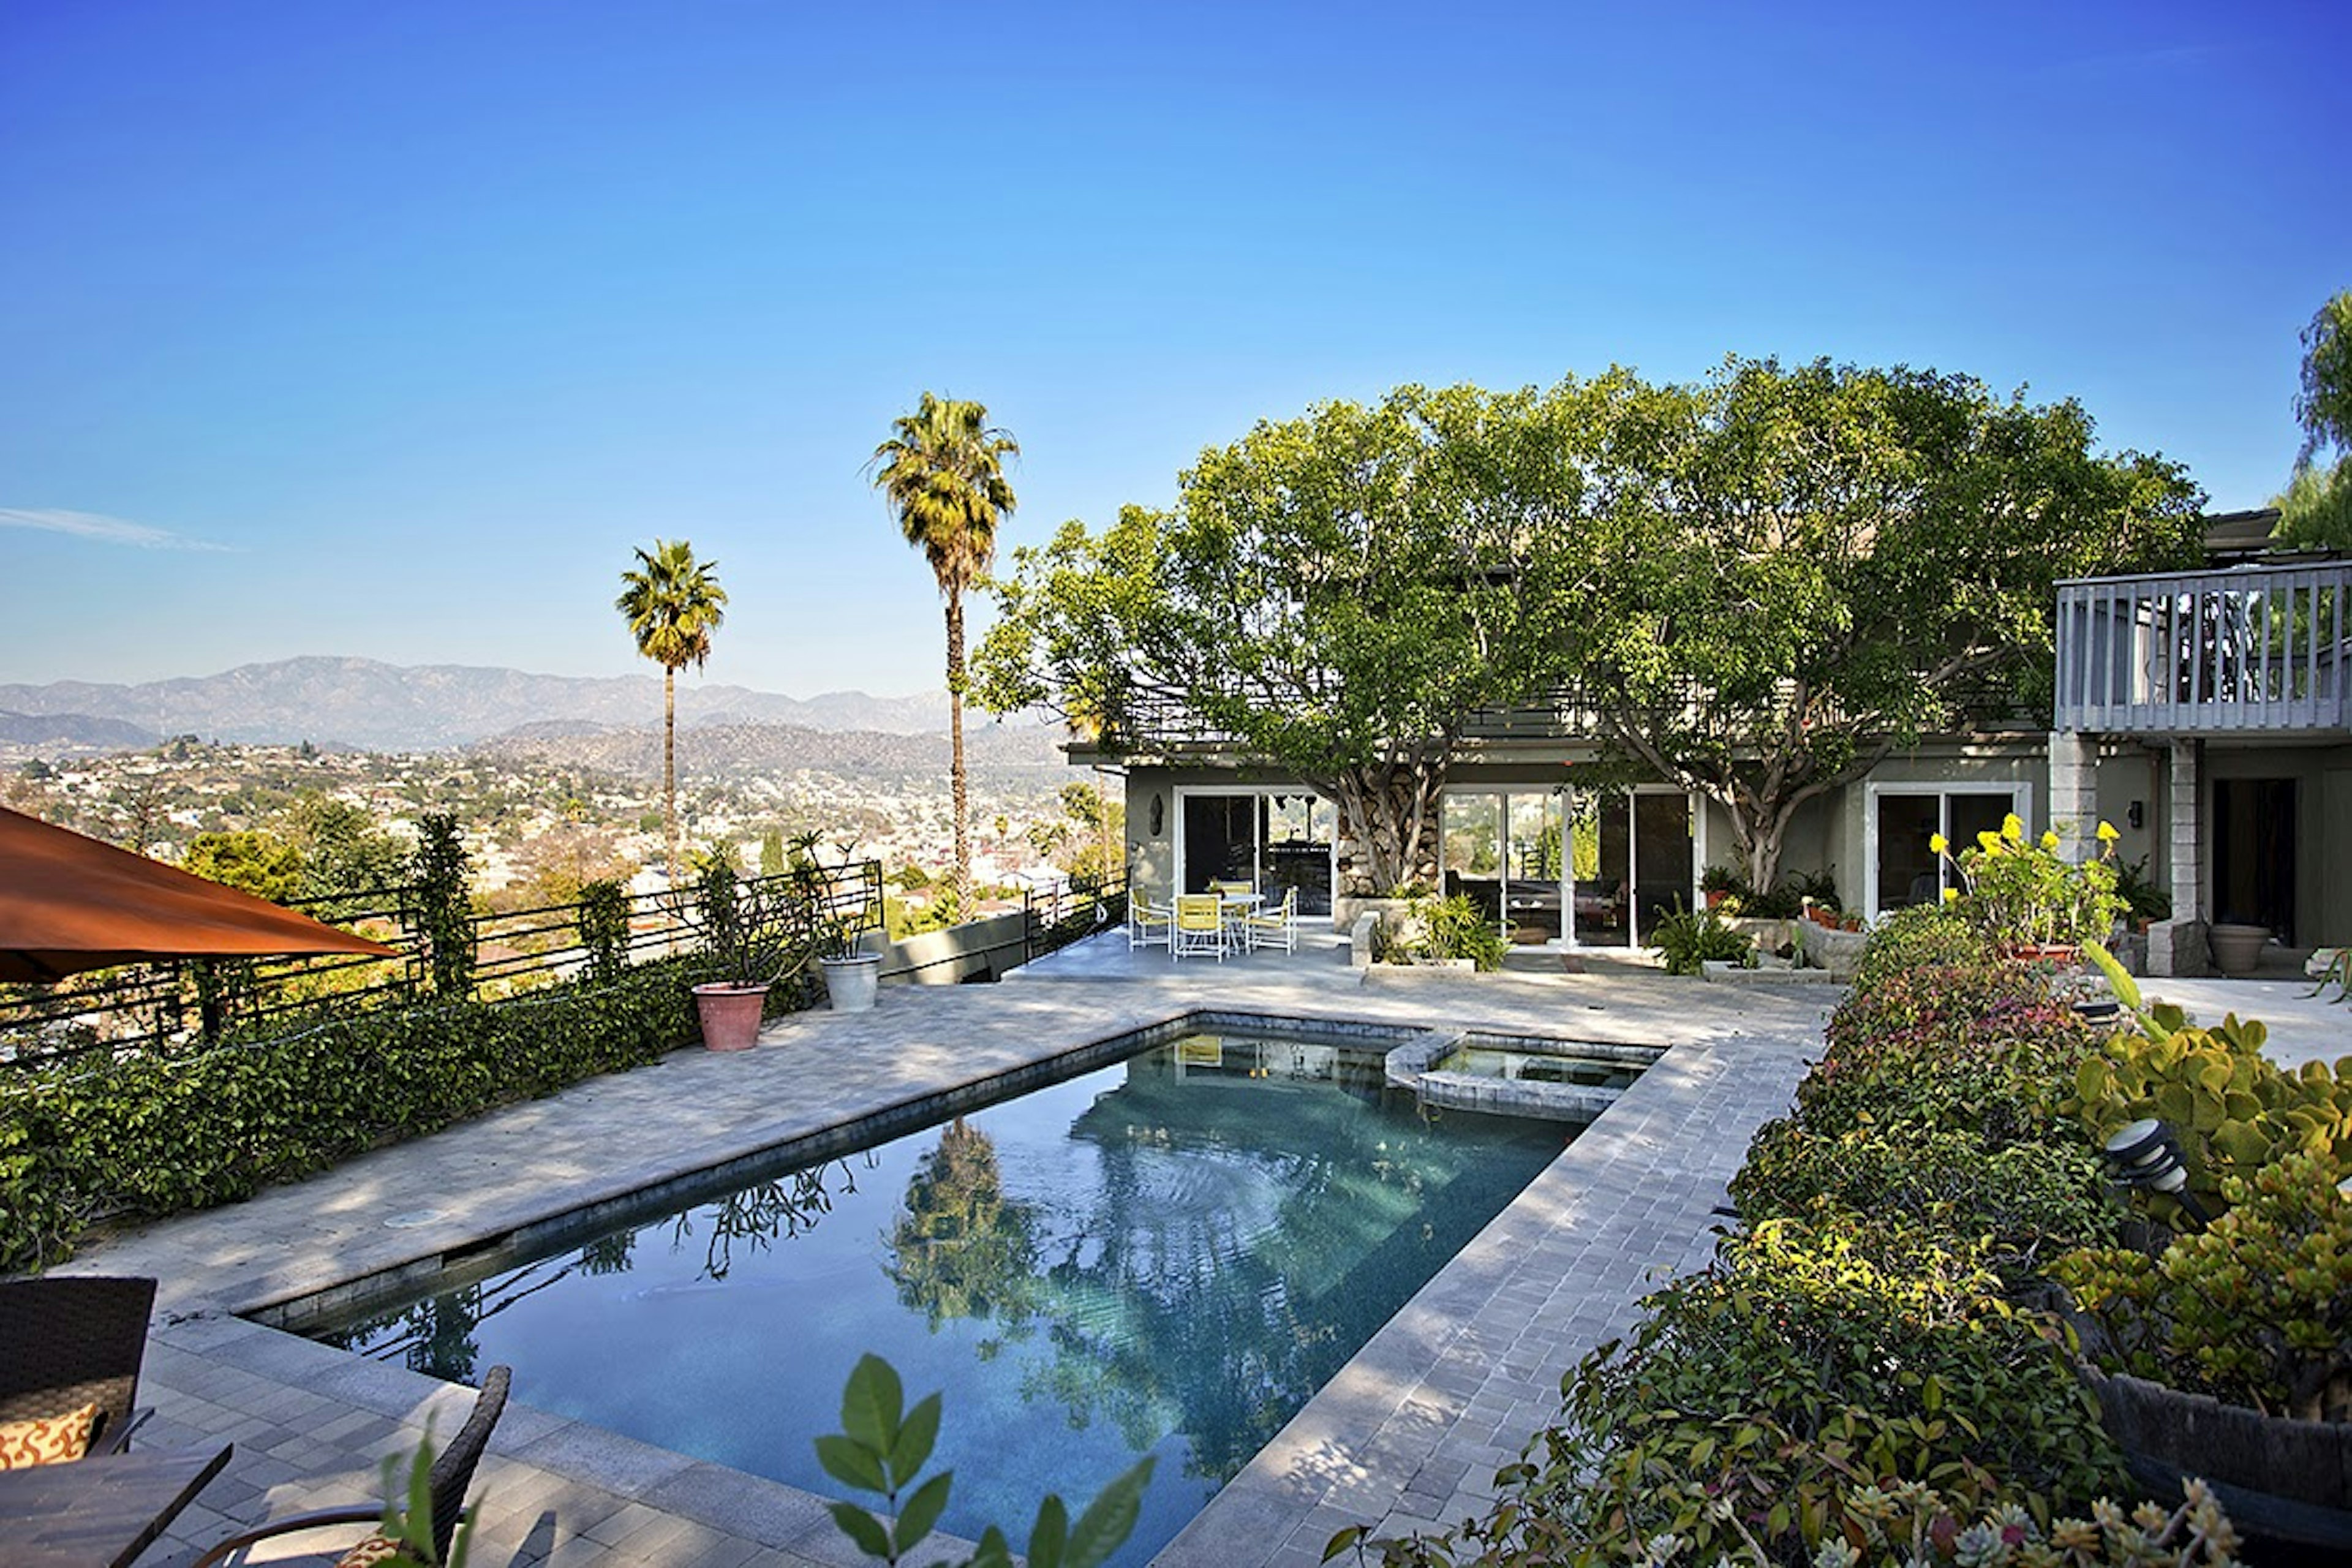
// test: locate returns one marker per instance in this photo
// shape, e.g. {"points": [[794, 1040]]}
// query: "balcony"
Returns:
{"points": [[2261, 649]]}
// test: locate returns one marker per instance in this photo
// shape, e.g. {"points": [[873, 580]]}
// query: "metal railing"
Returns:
{"points": [[1070, 912], [2258, 648], [179, 1003]]}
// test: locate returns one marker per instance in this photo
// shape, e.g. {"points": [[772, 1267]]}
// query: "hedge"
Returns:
{"points": [[146, 1134]]}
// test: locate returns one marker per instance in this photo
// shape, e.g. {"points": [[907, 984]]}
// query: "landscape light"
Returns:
{"points": [[2147, 1155]]}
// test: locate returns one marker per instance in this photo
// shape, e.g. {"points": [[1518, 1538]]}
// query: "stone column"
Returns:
{"points": [[2177, 946], [2075, 792]]}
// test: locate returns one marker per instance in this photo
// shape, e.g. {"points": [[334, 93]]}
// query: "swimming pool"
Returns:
{"points": [[1169, 1255]]}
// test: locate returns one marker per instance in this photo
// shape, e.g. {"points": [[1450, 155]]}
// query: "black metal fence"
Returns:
{"points": [[184, 1002], [1069, 911]]}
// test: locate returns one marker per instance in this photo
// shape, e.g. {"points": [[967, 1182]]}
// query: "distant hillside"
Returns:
{"points": [[384, 707], [1003, 752], [76, 732]]}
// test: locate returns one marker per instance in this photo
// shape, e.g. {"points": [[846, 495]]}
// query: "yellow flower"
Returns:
{"points": [[2012, 827], [1938, 845], [1951, 895], [2108, 834], [1990, 841], [2050, 840]]}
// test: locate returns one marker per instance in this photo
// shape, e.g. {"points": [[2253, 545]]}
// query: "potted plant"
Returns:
{"points": [[852, 973], [2028, 898], [754, 934], [1718, 883]]}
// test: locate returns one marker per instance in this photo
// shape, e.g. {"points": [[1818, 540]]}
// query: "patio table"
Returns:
{"points": [[1233, 910], [98, 1512]]}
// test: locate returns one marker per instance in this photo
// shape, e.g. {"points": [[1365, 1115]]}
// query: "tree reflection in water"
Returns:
{"points": [[958, 1248], [761, 1214]]}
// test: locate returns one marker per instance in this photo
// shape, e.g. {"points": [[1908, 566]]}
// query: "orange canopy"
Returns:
{"points": [[70, 903]]}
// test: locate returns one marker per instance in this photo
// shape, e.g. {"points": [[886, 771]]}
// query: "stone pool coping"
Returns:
{"points": [[1409, 1431]]}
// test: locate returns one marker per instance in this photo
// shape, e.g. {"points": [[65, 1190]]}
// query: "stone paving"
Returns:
{"points": [[1407, 1434]]}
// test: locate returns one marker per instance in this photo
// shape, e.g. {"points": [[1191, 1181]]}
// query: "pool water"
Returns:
{"points": [[1542, 1066], [1169, 1256]]}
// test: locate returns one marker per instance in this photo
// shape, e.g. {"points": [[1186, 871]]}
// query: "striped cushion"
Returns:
{"points": [[47, 1440]]}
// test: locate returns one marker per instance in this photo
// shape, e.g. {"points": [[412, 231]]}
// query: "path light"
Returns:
{"points": [[2147, 1155]]}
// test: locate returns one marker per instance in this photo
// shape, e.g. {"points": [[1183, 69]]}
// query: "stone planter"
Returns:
{"points": [[850, 982], [2287, 1482], [2237, 948], [731, 1014]]}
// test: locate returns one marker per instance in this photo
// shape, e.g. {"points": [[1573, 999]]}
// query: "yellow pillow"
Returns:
{"points": [[46, 1439]]}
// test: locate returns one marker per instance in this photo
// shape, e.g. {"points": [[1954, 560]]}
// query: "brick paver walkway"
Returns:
{"points": [[1410, 1431]]}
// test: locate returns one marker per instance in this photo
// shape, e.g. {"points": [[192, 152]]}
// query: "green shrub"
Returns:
{"points": [[1923, 936], [2026, 893], [103, 1137], [2023, 1201], [1440, 931], [2255, 1310], [1977, 1046], [1689, 938]]}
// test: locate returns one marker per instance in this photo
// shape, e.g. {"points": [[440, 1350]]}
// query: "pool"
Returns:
{"points": [[1169, 1254]]}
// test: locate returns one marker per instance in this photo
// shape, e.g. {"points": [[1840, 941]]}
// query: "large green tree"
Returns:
{"points": [[942, 472], [2316, 507], [1816, 564], [1335, 597], [672, 603]]}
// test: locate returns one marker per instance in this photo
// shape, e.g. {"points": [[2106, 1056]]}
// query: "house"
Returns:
{"points": [[2203, 714]]}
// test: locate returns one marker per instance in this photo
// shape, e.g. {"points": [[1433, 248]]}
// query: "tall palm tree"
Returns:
{"points": [[673, 605], [942, 472]]}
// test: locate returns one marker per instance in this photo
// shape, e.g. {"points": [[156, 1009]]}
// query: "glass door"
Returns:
{"points": [[1631, 859], [1502, 850], [1274, 841], [1908, 870]]}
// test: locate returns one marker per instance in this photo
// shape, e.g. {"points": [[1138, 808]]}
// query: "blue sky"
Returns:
{"points": [[388, 330]]}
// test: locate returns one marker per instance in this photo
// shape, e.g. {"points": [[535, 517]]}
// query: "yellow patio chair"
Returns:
{"points": [[1276, 927], [1148, 924], [1199, 926]]}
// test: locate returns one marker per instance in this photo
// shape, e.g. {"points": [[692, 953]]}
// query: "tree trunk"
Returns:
{"points": [[1390, 807], [955, 753], [669, 770]]}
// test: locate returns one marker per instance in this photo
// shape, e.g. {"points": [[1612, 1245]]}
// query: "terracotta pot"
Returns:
{"points": [[2056, 953], [2285, 1483], [731, 1014], [1715, 899]]}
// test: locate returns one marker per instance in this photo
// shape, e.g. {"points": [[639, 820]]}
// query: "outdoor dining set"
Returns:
{"points": [[1230, 918]]}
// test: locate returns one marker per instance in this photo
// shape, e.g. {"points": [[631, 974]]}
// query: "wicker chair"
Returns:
{"points": [[70, 1340], [452, 1474]]}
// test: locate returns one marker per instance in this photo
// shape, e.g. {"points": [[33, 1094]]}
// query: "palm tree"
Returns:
{"points": [[942, 472], [672, 603]]}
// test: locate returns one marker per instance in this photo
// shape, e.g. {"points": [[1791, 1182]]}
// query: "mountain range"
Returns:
{"points": [[1003, 752], [363, 702]]}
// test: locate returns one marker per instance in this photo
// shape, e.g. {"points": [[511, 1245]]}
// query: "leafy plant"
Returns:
{"points": [[754, 932], [2256, 1310], [2338, 974], [408, 1510], [1720, 878], [1689, 938], [444, 918], [1920, 936], [2233, 1110], [1439, 930], [603, 922], [2027, 894], [882, 1448], [2144, 899]]}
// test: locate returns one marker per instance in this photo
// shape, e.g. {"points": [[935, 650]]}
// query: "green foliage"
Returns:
{"points": [[342, 849], [1439, 930], [2143, 898], [1922, 936], [444, 919], [2315, 507], [673, 604], [1719, 879], [2323, 403], [761, 932], [2233, 1110], [2027, 894], [1690, 939], [141, 1135], [1978, 1047], [408, 1510], [2255, 1310], [250, 860], [882, 1448], [603, 922]]}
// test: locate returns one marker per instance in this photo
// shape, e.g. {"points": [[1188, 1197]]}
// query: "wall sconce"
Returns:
{"points": [[2135, 815], [1159, 814]]}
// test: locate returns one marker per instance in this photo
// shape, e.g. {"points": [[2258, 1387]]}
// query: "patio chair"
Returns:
{"points": [[1199, 926], [1276, 927], [68, 1340], [1147, 923], [452, 1473], [1228, 886]]}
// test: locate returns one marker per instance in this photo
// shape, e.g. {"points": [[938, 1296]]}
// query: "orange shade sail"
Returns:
{"points": [[70, 903]]}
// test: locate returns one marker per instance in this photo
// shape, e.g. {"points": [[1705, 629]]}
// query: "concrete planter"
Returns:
{"points": [[731, 1014], [2287, 1482], [2237, 948], [850, 982]]}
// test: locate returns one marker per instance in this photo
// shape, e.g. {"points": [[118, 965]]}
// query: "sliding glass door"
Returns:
{"points": [[1584, 867], [1903, 823], [1273, 840]]}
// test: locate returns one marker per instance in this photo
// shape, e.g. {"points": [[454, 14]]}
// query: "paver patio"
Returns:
{"points": [[1409, 1433]]}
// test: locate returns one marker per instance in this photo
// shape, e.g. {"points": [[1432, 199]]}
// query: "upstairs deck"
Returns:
{"points": [[2256, 650]]}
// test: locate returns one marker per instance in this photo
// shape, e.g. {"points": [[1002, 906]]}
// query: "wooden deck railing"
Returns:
{"points": [[2264, 650]]}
